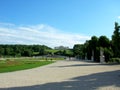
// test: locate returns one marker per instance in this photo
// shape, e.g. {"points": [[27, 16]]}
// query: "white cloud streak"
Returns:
{"points": [[118, 17], [6, 24], [38, 34]]}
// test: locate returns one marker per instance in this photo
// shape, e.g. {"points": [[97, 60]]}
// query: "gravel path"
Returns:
{"points": [[64, 75]]}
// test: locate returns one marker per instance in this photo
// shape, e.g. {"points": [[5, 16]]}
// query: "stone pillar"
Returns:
{"points": [[102, 57], [92, 57], [85, 56]]}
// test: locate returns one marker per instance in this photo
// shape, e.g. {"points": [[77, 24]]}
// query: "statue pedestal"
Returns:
{"points": [[92, 58], [102, 59]]}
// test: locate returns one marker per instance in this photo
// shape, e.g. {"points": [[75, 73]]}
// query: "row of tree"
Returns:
{"points": [[31, 50], [22, 50], [111, 48]]}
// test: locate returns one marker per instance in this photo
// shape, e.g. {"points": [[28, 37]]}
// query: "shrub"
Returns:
{"points": [[115, 60]]}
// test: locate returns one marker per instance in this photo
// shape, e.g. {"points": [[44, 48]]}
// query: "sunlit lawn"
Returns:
{"points": [[21, 64]]}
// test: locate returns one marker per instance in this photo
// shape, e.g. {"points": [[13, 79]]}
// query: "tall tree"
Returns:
{"points": [[116, 40], [78, 50], [104, 43], [93, 45]]}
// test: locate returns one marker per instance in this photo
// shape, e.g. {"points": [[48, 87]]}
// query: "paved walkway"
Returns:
{"points": [[64, 75]]}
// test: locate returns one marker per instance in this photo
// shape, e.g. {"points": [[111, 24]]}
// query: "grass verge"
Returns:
{"points": [[15, 65]]}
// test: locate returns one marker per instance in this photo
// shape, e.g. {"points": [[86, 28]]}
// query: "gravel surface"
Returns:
{"points": [[64, 75]]}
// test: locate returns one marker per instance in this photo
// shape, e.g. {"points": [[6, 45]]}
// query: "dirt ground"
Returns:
{"points": [[64, 75]]}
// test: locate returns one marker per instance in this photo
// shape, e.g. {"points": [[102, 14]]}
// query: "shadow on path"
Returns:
{"points": [[78, 65], [86, 64], [88, 82]]}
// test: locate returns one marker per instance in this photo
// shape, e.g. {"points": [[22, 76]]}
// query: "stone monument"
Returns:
{"points": [[92, 57], [102, 57]]}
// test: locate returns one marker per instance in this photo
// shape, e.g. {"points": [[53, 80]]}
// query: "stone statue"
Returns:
{"points": [[102, 57]]}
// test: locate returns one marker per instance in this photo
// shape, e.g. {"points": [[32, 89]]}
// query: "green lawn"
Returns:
{"points": [[15, 65], [52, 50]]}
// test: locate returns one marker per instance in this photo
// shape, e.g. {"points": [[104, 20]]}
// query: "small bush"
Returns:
{"points": [[115, 60]]}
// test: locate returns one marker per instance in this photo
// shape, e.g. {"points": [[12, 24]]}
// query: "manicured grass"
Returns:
{"points": [[52, 50], [15, 65]]}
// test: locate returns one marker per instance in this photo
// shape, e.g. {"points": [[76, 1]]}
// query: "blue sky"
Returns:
{"points": [[56, 22]]}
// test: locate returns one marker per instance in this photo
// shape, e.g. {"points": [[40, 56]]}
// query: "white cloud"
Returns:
{"points": [[39, 34], [118, 17], [6, 24]]}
